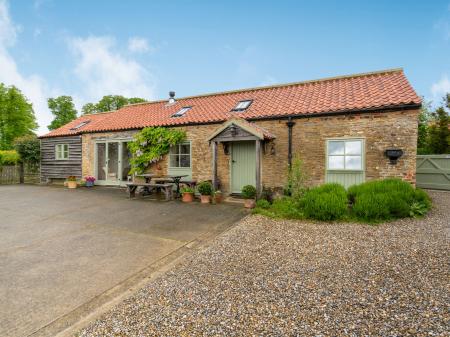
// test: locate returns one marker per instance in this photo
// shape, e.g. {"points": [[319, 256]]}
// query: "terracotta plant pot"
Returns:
{"points": [[72, 184], [249, 203], [205, 199], [218, 198], [187, 197]]}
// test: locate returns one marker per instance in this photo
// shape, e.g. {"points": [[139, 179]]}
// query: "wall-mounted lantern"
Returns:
{"points": [[226, 148], [393, 155]]}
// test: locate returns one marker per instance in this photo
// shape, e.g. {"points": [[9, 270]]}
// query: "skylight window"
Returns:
{"points": [[182, 111], [79, 126], [242, 105]]}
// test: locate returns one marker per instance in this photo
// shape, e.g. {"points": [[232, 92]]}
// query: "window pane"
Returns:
{"points": [[353, 147], [174, 149], [336, 147], [185, 160], [336, 162], [185, 149], [174, 161], [353, 163]]}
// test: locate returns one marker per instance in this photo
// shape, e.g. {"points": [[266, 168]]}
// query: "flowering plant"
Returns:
{"points": [[89, 178], [71, 178]]}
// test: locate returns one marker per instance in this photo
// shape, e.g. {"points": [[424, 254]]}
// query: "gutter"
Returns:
{"points": [[290, 124]]}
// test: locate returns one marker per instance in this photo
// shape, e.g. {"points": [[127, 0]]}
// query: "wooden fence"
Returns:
{"points": [[433, 171], [17, 174]]}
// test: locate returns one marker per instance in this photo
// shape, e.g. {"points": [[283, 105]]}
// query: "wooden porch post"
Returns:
{"points": [[214, 164], [258, 168]]}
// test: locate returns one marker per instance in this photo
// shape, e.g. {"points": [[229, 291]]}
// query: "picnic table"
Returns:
{"points": [[170, 178]]}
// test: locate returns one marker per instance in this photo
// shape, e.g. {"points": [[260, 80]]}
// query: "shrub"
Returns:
{"points": [[9, 157], [287, 208], [186, 189], [263, 203], [387, 199], [296, 181], [326, 202], [248, 192], [205, 188], [29, 149]]}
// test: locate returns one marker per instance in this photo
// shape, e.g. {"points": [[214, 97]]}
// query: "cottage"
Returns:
{"points": [[340, 127]]}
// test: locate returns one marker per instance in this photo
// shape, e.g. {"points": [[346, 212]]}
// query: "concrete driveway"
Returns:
{"points": [[65, 252]]}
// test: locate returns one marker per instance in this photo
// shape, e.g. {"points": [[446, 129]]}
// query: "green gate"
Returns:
{"points": [[433, 171]]}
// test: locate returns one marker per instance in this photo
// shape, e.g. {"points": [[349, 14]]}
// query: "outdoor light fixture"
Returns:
{"points": [[393, 155], [233, 130], [226, 148]]}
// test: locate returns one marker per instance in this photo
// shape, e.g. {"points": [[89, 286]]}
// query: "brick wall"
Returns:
{"points": [[380, 131]]}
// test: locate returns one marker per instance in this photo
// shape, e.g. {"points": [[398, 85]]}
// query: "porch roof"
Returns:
{"points": [[247, 126]]}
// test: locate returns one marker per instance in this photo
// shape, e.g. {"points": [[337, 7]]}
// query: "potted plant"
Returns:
{"points": [[249, 194], [205, 189], [89, 181], [218, 197], [72, 182], [187, 194]]}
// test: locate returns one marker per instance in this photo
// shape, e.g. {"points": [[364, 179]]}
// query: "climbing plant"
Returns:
{"points": [[150, 145]]}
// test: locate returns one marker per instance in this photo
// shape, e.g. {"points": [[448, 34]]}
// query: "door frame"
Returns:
{"points": [[231, 164], [120, 142]]}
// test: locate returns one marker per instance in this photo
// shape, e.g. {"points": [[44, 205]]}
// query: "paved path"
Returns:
{"points": [[60, 249]]}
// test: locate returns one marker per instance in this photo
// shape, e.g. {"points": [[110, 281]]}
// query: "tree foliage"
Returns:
{"points": [[29, 149], [433, 131], [63, 109], [110, 103], [151, 144], [16, 116]]}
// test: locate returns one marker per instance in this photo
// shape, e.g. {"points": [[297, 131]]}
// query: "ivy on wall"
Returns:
{"points": [[150, 145]]}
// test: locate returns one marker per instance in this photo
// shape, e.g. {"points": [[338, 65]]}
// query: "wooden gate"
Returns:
{"points": [[433, 171], [15, 175]]}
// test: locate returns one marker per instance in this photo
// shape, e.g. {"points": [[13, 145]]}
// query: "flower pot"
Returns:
{"points": [[218, 198], [72, 184], [249, 203], [205, 199], [89, 183], [187, 197]]}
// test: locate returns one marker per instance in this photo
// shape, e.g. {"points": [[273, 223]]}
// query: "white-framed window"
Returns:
{"points": [[180, 155], [62, 151], [345, 154]]}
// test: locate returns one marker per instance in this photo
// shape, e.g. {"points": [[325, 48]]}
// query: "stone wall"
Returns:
{"points": [[380, 130]]}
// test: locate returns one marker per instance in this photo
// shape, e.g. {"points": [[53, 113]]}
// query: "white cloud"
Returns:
{"points": [[104, 71], [138, 45], [440, 88], [33, 86]]}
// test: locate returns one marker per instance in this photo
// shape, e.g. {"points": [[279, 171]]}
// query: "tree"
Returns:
{"points": [[29, 149], [63, 109], [422, 134], [89, 108], [110, 103], [439, 132], [16, 116]]}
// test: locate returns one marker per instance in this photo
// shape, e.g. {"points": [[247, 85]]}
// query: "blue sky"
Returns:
{"points": [[88, 49]]}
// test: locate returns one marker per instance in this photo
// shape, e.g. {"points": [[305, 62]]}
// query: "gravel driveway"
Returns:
{"points": [[268, 277]]}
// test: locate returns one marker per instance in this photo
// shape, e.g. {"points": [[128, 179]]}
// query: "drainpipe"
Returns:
{"points": [[290, 125]]}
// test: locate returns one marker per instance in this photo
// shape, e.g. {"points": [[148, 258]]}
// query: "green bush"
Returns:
{"points": [[205, 188], [325, 203], [387, 199], [287, 208], [263, 203], [9, 157], [248, 192]]}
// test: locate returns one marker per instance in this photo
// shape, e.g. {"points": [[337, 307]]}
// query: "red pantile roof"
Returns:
{"points": [[369, 91]]}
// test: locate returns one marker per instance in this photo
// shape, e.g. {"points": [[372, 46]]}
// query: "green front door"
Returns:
{"points": [[243, 165]]}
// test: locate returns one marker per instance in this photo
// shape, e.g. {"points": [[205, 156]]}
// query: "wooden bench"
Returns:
{"points": [[166, 188]]}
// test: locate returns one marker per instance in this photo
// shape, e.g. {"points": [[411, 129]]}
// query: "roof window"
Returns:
{"points": [[182, 111], [79, 126], [243, 105]]}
